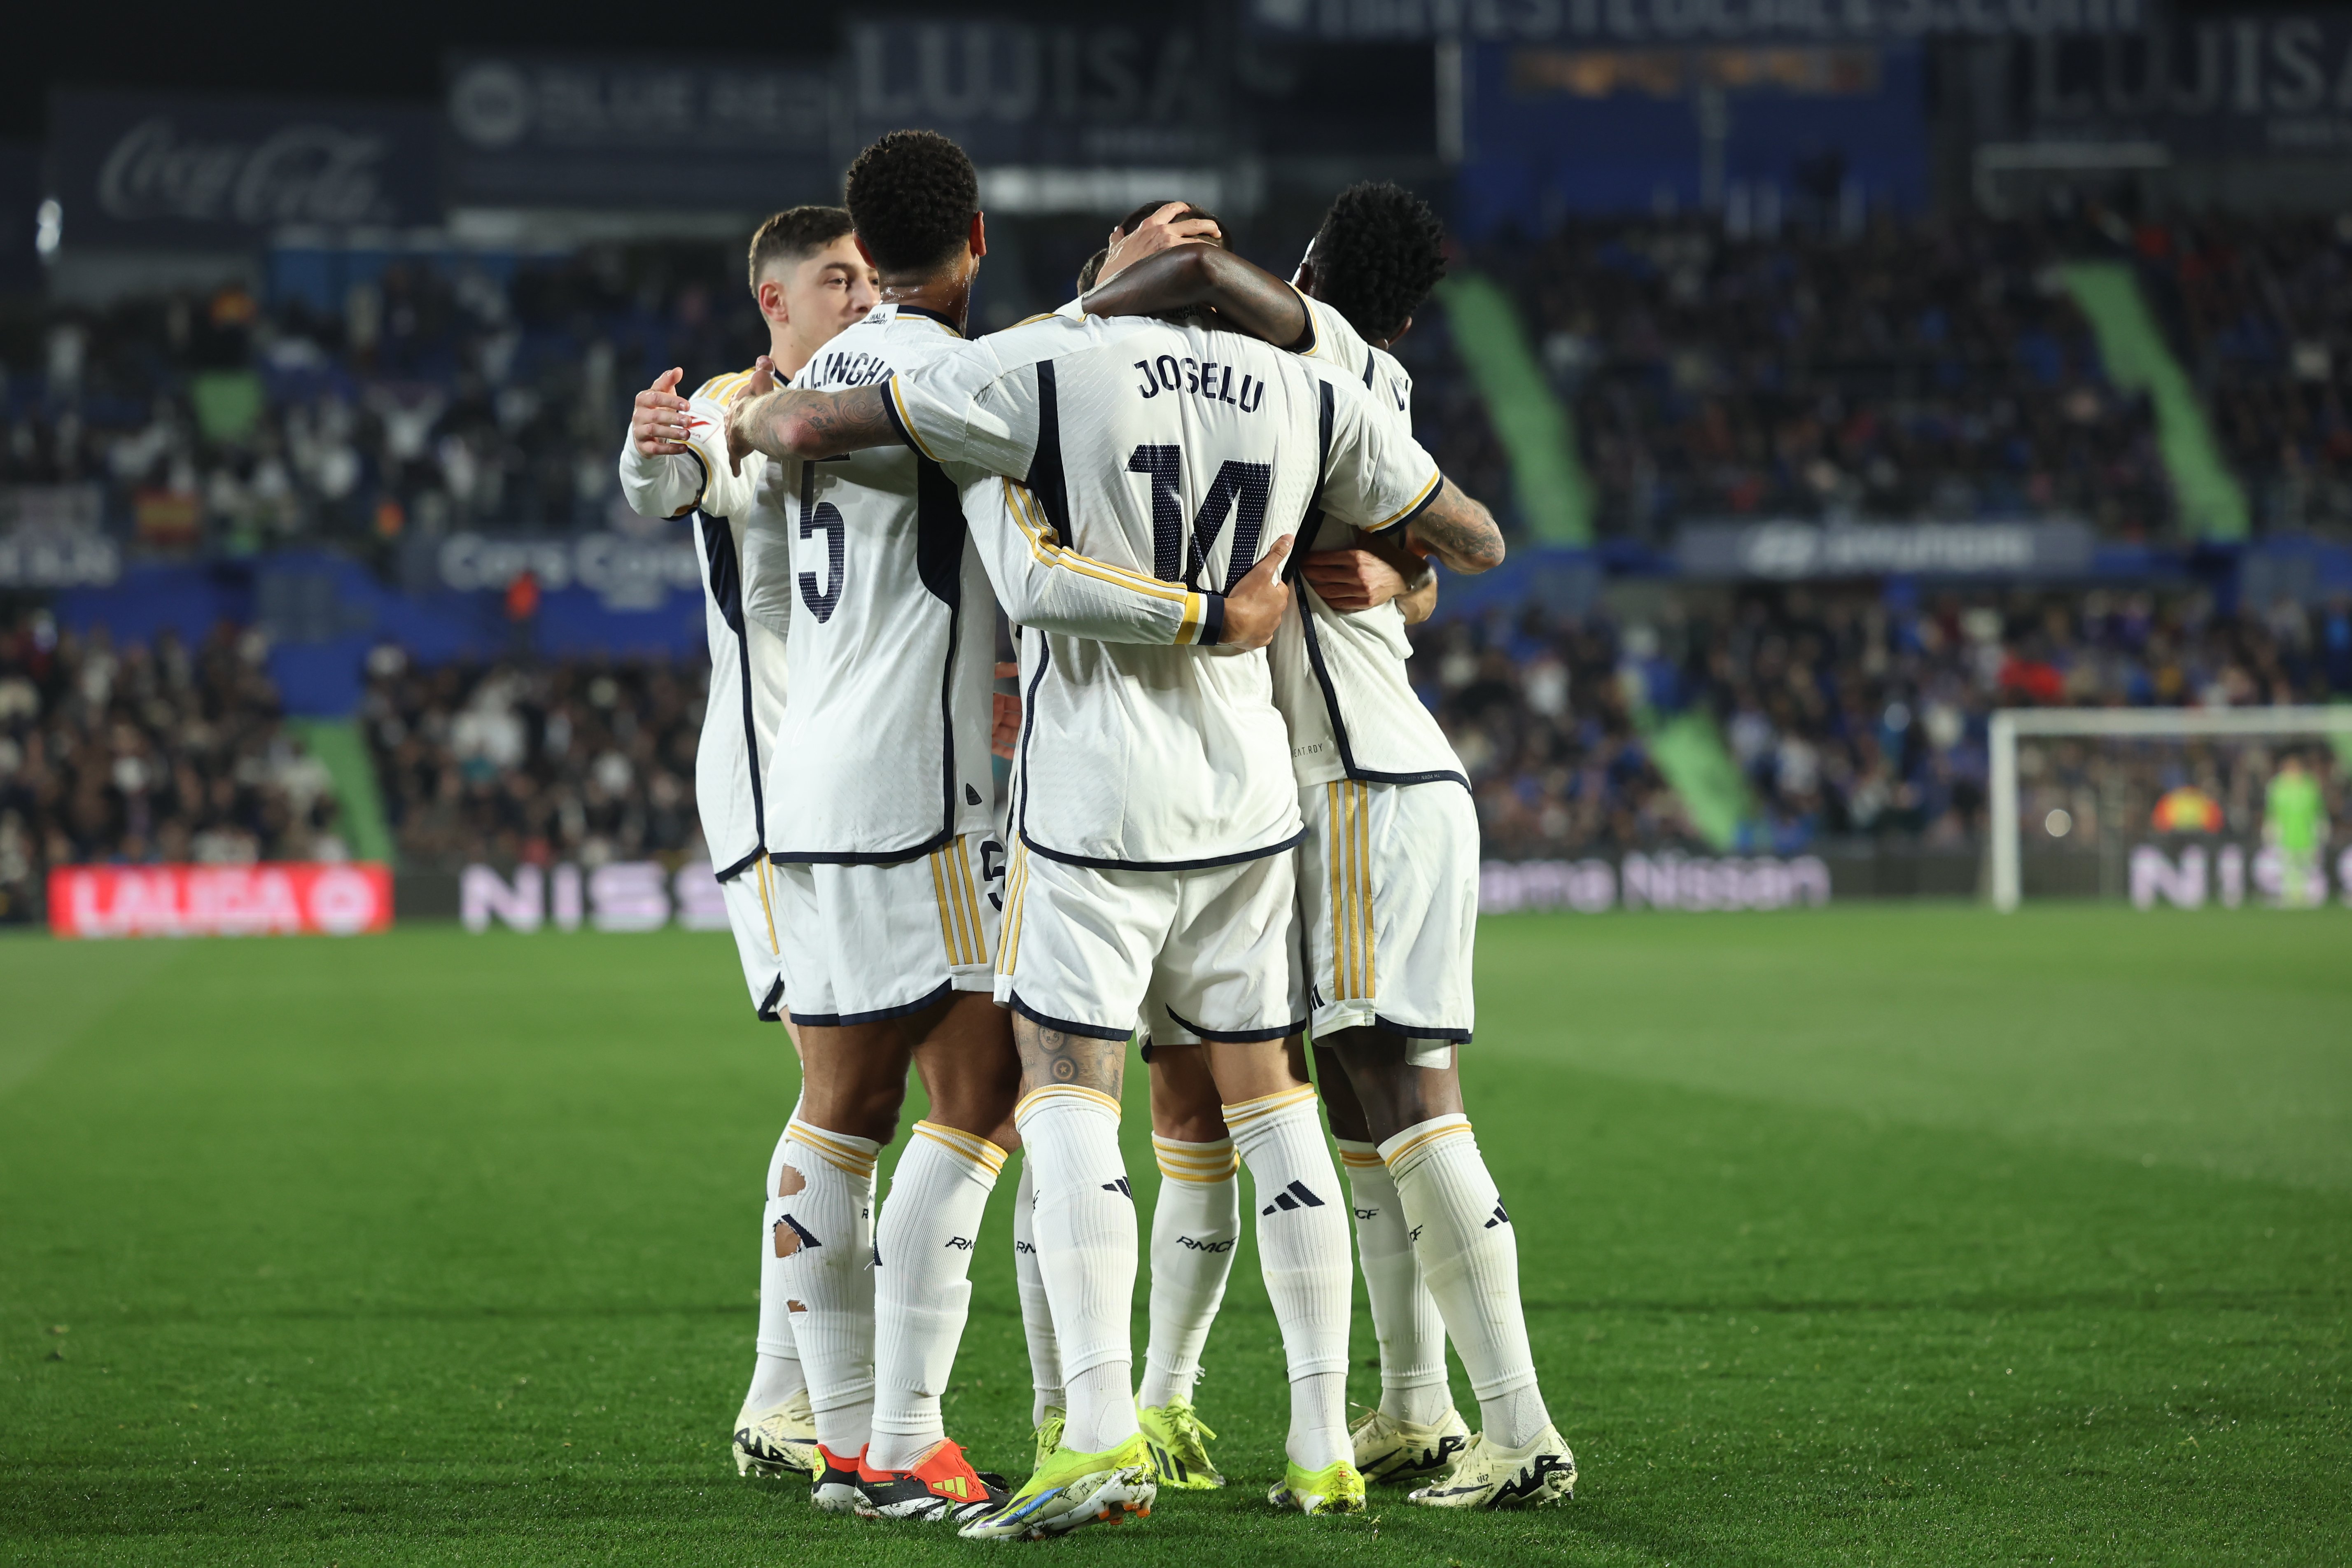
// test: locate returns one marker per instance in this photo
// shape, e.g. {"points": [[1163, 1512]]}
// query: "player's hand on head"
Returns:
{"points": [[1255, 605], [1352, 579], [742, 409], [1160, 231], [661, 420], [1005, 733]]}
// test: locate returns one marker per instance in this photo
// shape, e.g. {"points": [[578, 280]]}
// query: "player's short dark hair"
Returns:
{"points": [[794, 234], [912, 196], [1378, 253], [1094, 266]]}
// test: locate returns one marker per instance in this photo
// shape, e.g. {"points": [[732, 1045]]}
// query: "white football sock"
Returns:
{"points": [[1036, 1315], [1404, 1317], [1470, 1258], [1194, 1224], [825, 1231], [1302, 1247], [922, 1286], [776, 1368], [1085, 1229]]}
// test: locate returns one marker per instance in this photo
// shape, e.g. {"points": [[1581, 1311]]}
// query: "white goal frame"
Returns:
{"points": [[2158, 724]]}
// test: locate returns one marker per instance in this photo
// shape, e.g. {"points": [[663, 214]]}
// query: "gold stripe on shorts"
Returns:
{"points": [[1016, 889], [951, 934], [971, 901]]}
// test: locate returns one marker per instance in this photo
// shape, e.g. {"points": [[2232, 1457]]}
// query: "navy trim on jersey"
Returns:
{"points": [[767, 1008], [861, 857], [1045, 479], [1212, 621], [1234, 1036], [1421, 1031], [1425, 504], [1097, 864], [1029, 727], [880, 1015], [726, 591], [940, 530], [1368, 369], [1092, 1031], [890, 412], [1339, 725], [1307, 619], [739, 867]]}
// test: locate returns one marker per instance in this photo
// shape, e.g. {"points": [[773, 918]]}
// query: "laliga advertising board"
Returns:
{"points": [[270, 899]]}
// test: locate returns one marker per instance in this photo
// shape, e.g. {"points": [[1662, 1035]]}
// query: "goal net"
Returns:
{"points": [[2168, 807]]}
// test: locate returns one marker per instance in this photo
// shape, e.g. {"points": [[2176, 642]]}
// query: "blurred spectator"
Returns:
{"points": [[124, 754], [1924, 370], [511, 763], [1850, 712]]}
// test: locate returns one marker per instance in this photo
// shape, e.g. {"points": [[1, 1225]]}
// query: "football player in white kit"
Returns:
{"points": [[1154, 812], [810, 283], [888, 921], [1389, 889]]}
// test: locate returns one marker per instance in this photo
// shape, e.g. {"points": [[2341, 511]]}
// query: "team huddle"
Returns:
{"points": [[1228, 826]]}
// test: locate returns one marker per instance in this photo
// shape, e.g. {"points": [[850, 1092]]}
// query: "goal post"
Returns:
{"points": [[2134, 723]]}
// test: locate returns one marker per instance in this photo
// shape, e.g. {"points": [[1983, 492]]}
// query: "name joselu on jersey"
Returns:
{"points": [[1199, 377]]}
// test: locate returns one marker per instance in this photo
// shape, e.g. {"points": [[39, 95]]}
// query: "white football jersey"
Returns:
{"points": [[1339, 678], [740, 544], [1171, 454], [883, 754]]}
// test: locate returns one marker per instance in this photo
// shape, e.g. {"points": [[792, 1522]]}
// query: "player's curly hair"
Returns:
{"points": [[795, 235], [1378, 253], [912, 195]]}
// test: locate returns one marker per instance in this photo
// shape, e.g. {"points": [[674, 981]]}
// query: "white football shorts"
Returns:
{"points": [[750, 895], [862, 943], [1216, 949], [1388, 893]]}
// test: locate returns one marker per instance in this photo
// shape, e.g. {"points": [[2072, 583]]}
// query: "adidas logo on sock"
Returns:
{"points": [[1295, 1196], [801, 1230], [1500, 1217], [1119, 1187]]}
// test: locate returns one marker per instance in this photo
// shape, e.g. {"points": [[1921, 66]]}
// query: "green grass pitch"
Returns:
{"points": [[1898, 1235]]}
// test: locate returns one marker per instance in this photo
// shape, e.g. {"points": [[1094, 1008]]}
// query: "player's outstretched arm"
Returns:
{"points": [[1042, 583], [1458, 530], [1244, 295]]}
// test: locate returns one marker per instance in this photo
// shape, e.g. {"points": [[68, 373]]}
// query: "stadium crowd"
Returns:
{"points": [[136, 753], [1919, 369], [1848, 712], [516, 763]]}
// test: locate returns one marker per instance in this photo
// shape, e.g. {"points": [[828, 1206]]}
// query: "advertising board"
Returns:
{"points": [[277, 898], [162, 169]]}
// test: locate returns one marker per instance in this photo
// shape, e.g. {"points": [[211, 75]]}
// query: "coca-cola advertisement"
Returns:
{"points": [[157, 169], [288, 899]]}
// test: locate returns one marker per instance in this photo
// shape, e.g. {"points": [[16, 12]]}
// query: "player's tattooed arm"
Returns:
{"points": [[1243, 295], [1458, 530], [1049, 1057], [793, 422]]}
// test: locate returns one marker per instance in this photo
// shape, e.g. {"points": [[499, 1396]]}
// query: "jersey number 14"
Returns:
{"points": [[1239, 491]]}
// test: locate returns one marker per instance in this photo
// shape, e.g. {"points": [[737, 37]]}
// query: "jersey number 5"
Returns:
{"points": [[821, 517], [1239, 488]]}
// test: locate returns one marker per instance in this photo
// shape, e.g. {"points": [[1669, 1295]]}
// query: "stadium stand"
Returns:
{"points": [[515, 763], [136, 753]]}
